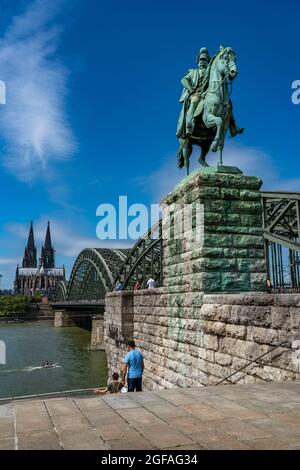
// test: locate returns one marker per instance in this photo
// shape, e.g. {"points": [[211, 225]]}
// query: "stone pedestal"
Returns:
{"points": [[229, 255]]}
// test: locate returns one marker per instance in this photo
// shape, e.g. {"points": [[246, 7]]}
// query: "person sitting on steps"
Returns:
{"points": [[113, 387]]}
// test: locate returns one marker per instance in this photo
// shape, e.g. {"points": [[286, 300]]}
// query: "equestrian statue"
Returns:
{"points": [[207, 111]]}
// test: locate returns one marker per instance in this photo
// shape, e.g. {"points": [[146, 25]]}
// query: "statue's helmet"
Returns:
{"points": [[203, 54]]}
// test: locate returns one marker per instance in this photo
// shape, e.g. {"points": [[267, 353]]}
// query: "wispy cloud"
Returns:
{"points": [[8, 261], [34, 124]]}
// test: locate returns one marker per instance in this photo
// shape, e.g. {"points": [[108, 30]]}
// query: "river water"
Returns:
{"points": [[28, 345]]}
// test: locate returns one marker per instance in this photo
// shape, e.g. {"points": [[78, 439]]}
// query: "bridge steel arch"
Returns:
{"points": [[61, 291], [93, 275], [96, 270], [144, 260]]}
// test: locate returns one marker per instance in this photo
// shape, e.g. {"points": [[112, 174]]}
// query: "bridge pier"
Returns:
{"points": [[97, 336], [60, 318], [65, 318], [89, 315]]}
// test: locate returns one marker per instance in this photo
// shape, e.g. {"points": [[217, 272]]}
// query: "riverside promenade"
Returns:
{"points": [[252, 416]]}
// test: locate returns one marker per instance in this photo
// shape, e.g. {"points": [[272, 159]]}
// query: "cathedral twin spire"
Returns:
{"points": [[47, 259], [30, 260]]}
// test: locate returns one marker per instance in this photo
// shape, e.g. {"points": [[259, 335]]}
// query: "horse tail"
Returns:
{"points": [[180, 158]]}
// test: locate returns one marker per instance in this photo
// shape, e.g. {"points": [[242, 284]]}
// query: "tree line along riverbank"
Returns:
{"points": [[22, 308]]}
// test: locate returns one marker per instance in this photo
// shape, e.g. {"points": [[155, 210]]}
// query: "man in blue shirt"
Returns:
{"points": [[133, 366]]}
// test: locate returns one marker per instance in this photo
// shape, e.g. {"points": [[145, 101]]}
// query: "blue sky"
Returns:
{"points": [[92, 106]]}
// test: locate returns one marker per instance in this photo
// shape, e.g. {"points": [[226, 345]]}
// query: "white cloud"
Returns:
{"points": [[8, 261], [33, 122]]}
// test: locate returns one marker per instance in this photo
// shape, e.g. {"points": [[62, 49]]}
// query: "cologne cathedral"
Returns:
{"points": [[38, 277]]}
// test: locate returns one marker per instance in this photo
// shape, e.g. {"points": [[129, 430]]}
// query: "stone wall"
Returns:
{"points": [[97, 334], [118, 327], [211, 318], [209, 341]]}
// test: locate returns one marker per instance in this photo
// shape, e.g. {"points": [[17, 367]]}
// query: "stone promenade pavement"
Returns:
{"points": [[258, 416]]}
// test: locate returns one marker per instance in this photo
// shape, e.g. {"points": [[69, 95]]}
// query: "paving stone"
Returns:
{"points": [[199, 393], [176, 398], [270, 443], [292, 419], [232, 394], [130, 444], [6, 428], [256, 416], [42, 440], [203, 411], [145, 397], [81, 441], [187, 424], [116, 431], [91, 404], [271, 398], [282, 430], [290, 396], [105, 418], [75, 422], [243, 430], [164, 436], [38, 421], [61, 407], [7, 444], [7, 411], [121, 402], [222, 404], [243, 414], [165, 410], [140, 417], [187, 447], [216, 440], [30, 407], [261, 406]]}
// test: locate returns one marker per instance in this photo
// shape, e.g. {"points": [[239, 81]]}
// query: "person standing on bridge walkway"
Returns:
{"points": [[151, 283], [133, 366]]}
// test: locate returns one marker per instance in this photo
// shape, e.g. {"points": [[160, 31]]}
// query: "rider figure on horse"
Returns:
{"points": [[195, 83]]}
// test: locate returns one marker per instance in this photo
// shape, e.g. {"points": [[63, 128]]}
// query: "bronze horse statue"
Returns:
{"points": [[215, 114]]}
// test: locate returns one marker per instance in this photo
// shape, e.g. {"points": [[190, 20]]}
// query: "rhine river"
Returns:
{"points": [[28, 345]]}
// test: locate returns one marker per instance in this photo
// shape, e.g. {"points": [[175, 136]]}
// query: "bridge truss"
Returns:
{"points": [[96, 270], [281, 222], [144, 260]]}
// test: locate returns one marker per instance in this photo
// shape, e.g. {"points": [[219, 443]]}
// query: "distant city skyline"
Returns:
{"points": [[91, 114]]}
